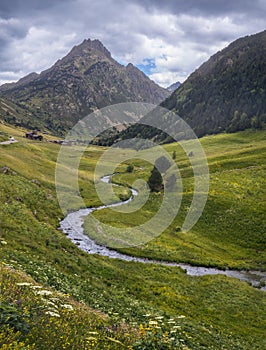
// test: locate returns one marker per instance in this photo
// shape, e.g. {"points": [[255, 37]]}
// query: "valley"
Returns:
{"points": [[133, 216], [127, 297]]}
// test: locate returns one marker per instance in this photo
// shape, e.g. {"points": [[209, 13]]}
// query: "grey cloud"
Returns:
{"points": [[130, 29], [206, 7], [12, 28], [13, 8]]}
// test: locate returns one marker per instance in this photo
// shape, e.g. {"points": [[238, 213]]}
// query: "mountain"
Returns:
{"points": [[228, 92], [225, 94], [86, 79], [174, 86], [23, 81]]}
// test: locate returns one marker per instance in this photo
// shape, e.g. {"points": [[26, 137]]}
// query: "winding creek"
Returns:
{"points": [[72, 226]]}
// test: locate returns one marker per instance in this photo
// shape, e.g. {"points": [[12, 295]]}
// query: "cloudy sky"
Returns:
{"points": [[167, 39]]}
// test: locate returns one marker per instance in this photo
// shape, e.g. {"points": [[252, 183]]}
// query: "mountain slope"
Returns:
{"points": [[86, 79], [228, 92], [174, 86], [23, 81]]}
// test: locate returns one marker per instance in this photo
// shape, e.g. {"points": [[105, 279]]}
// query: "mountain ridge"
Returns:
{"points": [[227, 93], [174, 86], [84, 80]]}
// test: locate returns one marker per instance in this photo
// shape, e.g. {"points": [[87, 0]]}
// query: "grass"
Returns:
{"points": [[231, 231], [33, 317], [210, 312]]}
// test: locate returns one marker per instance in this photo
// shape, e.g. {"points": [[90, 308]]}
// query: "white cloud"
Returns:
{"points": [[40, 48], [178, 37]]}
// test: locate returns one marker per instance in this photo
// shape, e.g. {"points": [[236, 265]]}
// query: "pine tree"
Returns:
{"points": [[155, 181]]}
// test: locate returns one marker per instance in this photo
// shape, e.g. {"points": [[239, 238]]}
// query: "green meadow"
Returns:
{"points": [[55, 296], [231, 230]]}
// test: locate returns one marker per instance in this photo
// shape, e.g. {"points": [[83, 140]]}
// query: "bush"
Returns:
{"points": [[130, 168]]}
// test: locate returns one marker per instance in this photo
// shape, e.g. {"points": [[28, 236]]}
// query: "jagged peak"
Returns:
{"points": [[96, 44], [130, 66], [89, 44], [83, 50]]}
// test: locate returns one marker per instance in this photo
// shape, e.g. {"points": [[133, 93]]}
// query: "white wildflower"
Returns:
{"points": [[171, 321], [3, 242], [67, 306], [44, 292], [51, 313], [48, 302], [24, 284], [153, 322]]}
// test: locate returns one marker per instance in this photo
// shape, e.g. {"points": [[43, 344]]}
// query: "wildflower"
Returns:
{"points": [[24, 284], [67, 306], [155, 323], [141, 330], [3, 242], [48, 302], [166, 336], [181, 316], [51, 313], [44, 292], [158, 317], [171, 321]]}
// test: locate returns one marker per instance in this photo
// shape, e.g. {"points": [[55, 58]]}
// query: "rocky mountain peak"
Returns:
{"points": [[86, 79], [174, 86], [97, 45], [86, 49]]}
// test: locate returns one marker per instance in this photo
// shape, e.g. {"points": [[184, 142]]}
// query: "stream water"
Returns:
{"points": [[72, 226]]}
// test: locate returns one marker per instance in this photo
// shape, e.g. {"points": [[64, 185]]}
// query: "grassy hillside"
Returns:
{"points": [[231, 231], [127, 305]]}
